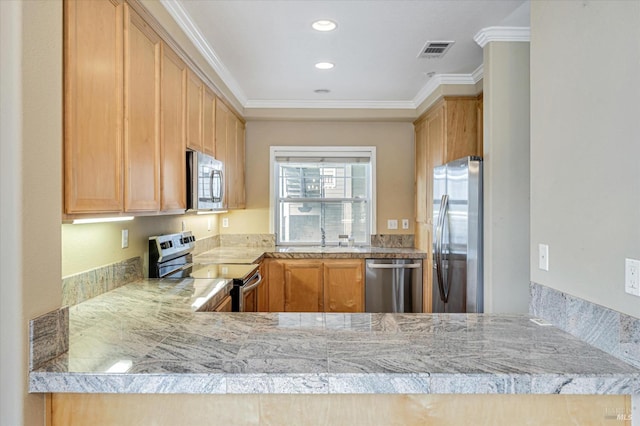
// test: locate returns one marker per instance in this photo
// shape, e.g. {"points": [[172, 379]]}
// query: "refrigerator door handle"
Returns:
{"points": [[444, 206]]}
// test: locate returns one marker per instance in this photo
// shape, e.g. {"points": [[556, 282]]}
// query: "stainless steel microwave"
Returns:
{"points": [[205, 182]]}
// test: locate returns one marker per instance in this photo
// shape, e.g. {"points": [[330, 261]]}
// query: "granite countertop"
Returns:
{"points": [[146, 338], [256, 254]]}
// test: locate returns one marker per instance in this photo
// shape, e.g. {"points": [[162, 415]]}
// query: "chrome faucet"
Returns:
{"points": [[322, 237]]}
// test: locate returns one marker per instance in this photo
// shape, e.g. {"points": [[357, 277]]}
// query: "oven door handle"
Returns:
{"points": [[180, 269], [247, 288]]}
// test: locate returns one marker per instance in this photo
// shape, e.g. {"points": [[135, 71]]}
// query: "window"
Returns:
{"points": [[323, 189]]}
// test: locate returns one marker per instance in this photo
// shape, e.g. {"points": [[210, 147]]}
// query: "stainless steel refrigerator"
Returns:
{"points": [[457, 236]]}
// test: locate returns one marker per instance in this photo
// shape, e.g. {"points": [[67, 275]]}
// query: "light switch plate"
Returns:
{"points": [[392, 224], [405, 223], [543, 257], [632, 276]]}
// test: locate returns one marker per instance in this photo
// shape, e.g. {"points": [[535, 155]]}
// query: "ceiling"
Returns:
{"points": [[265, 50]]}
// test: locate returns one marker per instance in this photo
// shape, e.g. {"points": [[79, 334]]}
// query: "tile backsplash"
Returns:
{"points": [[247, 240], [48, 337], [85, 285], [393, 240], [604, 328]]}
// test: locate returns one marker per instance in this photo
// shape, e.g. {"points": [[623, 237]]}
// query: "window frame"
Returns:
{"points": [[320, 152]]}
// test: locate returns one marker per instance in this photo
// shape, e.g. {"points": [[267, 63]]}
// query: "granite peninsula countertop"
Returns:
{"points": [[256, 254], [146, 338]]}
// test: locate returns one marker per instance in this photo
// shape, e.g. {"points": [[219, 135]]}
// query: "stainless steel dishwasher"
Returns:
{"points": [[393, 285]]}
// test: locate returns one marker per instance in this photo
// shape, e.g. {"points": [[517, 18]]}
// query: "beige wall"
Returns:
{"points": [[585, 146], [31, 105], [394, 144], [89, 246], [506, 176]]}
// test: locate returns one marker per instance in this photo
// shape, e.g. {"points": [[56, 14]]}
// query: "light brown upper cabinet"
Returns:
{"points": [[142, 115], [209, 122], [230, 149], [132, 107], [195, 94], [93, 106], [173, 146], [447, 131], [239, 182]]}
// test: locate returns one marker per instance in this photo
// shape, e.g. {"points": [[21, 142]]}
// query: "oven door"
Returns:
{"points": [[248, 293]]}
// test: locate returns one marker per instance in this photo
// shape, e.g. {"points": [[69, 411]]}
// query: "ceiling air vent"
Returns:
{"points": [[435, 49]]}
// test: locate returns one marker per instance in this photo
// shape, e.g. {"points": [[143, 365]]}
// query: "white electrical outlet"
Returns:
{"points": [[225, 222], [405, 223], [184, 225], [125, 238], [543, 257], [632, 276], [392, 224], [208, 224]]}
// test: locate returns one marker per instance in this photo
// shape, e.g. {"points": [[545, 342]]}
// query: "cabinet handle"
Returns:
{"points": [[393, 265]]}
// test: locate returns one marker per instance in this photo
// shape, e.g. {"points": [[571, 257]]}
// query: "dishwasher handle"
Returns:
{"points": [[394, 265]]}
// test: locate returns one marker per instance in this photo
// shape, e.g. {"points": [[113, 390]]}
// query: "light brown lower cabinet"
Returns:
{"points": [[263, 289], [314, 285], [224, 306], [70, 409]]}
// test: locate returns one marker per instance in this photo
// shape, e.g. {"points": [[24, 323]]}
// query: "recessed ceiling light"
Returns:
{"points": [[324, 65], [322, 91], [324, 25]]}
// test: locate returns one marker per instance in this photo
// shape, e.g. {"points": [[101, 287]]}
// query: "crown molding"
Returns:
{"points": [[192, 31], [478, 73], [443, 79], [489, 34], [347, 104], [182, 18]]}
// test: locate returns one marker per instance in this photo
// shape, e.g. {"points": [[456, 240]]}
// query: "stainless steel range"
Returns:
{"points": [[170, 257]]}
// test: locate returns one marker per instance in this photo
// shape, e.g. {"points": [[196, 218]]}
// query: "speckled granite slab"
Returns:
{"points": [[48, 337], [145, 338], [255, 254], [609, 330], [85, 285], [393, 240]]}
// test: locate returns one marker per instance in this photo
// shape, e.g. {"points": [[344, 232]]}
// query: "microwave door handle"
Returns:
{"points": [[221, 186], [215, 179], [438, 246]]}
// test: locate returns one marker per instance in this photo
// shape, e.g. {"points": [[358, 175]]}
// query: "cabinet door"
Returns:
{"points": [[421, 177], [225, 305], [461, 121], [195, 93], [93, 35], [275, 277], [295, 285], [222, 113], [239, 187], [209, 122], [435, 153], [231, 157], [142, 115], [303, 291], [172, 131], [263, 289], [250, 301], [343, 285], [424, 241]]}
